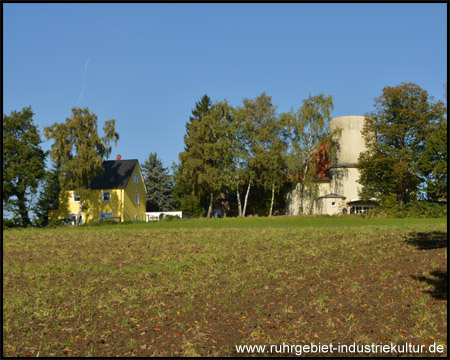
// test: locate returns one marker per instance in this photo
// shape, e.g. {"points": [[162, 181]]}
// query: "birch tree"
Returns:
{"points": [[309, 131], [80, 150], [257, 119]]}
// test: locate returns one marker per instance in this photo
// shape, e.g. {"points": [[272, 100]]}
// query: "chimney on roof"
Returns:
{"points": [[119, 157]]}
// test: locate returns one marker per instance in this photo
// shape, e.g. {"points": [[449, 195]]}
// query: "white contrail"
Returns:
{"points": [[84, 79]]}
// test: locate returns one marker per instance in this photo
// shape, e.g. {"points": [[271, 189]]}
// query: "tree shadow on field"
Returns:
{"points": [[428, 240], [439, 280]]}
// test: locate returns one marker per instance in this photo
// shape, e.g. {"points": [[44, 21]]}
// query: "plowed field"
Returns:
{"points": [[175, 290]]}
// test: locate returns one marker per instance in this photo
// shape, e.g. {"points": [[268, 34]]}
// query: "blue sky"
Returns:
{"points": [[146, 65]]}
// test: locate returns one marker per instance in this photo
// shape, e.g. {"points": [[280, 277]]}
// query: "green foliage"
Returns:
{"points": [[183, 197], [164, 217], [309, 131], [159, 184], [80, 150], [188, 195], [191, 205], [23, 164], [229, 151], [109, 222], [412, 209], [201, 109], [49, 196], [401, 146], [214, 150], [434, 161], [424, 209], [264, 150], [200, 175], [8, 223]]}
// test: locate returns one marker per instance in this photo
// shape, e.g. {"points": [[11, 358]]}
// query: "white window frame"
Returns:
{"points": [[136, 178], [103, 194], [73, 198], [136, 198]]}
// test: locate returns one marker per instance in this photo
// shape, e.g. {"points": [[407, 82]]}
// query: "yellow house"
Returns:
{"points": [[119, 193]]}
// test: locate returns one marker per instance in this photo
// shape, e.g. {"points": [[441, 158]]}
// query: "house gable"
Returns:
{"points": [[135, 196]]}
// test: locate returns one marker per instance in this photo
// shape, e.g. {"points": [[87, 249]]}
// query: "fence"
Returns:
{"points": [[154, 216]]}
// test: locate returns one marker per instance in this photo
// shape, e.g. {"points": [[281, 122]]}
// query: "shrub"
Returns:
{"points": [[168, 217], [418, 208], [8, 223]]}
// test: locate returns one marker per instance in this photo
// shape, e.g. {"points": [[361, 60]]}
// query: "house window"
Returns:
{"points": [[136, 178], [136, 198], [363, 209], [75, 197], [136, 217], [333, 203], [106, 195], [105, 215]]}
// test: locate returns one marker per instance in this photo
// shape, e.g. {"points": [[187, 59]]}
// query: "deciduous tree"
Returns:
{"points": [[309, 133], [257, 124], [23, 163], [401, 134], [80, 150], [434, 160], [48, 196]]}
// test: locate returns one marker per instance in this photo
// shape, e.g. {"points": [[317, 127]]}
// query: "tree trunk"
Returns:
{"points": [[210, 206], [246, 198], [239, 201], [271, 202], [302, 187], [302, 190], [23, 211]]}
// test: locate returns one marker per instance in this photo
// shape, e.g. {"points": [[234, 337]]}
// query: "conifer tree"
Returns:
{"points": [[201, 109], [187, 173], [158, 183]]}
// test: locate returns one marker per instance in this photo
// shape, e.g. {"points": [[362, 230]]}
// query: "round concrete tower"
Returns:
{"points": [[339, 194], [351, 142]]}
